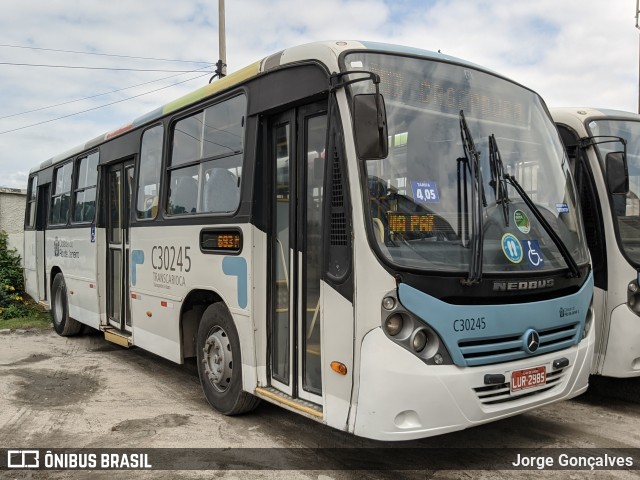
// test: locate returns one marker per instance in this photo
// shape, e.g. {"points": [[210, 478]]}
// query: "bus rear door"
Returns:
{"points": [[119, 180]]}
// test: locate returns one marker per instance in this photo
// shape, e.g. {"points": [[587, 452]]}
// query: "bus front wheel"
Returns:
{"points": [[219, 363], [62, 323]]}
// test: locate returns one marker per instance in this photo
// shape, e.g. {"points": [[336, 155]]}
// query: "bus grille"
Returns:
{"points": [[487, 351], [495, 394]]}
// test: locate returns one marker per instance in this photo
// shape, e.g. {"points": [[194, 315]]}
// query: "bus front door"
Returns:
{"points": [[297, 144], [119, 188]]}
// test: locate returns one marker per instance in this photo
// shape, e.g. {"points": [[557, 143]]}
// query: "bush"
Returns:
{"points": [[12, 297]]}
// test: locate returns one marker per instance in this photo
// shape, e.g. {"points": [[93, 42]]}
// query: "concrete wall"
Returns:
{"points": [[12, 205]]}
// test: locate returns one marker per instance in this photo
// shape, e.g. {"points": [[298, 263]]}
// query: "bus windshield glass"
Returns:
{"points": [[625, 208], [420, 198]]}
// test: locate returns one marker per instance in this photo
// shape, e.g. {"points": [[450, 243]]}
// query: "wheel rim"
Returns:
{"points": [[218, 359], [57, 308]]}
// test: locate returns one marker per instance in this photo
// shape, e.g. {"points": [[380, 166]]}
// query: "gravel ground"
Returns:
{"points": [[84, 392]]}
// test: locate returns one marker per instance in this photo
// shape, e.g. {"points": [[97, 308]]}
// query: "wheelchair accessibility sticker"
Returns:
{"points": [[533, 254], [512, 248]]}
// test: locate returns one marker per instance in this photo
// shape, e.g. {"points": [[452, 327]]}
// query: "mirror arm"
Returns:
{"points": [[337, 81], [591, 141]]}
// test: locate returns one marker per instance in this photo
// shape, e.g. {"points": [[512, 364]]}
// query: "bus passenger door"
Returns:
{"points": [[42, 213], [119, 188], [297, 142]]}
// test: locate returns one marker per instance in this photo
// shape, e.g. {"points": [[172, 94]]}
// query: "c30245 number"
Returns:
{"points": [[469, 324], [171, 259]]}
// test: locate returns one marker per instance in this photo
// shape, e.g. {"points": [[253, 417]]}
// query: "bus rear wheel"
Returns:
{"points": [[62, 323], [220, 364]]}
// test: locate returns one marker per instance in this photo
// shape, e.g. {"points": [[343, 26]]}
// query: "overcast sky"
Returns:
{"points": [[572, 52]]}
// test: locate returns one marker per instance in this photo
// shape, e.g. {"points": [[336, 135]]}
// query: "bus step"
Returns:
{"points": [[115, 336], [307, 409]]}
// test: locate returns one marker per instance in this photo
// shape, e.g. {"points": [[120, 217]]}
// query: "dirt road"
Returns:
{"points": [[85, 392]]}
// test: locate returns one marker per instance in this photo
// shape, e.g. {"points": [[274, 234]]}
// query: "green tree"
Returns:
{"points": [[12, 297]]}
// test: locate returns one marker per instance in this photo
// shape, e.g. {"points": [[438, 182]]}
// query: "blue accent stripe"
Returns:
{"points": [[237, 267], [137, 258], [502, 338]]}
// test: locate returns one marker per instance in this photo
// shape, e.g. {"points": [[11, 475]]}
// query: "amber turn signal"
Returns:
{"points": [[338, 367]]}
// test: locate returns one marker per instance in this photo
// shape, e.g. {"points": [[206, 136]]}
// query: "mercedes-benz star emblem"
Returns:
{"points": [[531, 341]]}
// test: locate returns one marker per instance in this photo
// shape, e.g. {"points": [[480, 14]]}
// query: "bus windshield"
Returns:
{"points": [[420, 196], [625, 209]]}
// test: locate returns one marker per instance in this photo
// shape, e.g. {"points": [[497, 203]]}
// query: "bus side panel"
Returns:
{"points": [[158, 286], [337, 341], [623, 355], [167, 264], [621, 350], [73, 251], [30, 265]]}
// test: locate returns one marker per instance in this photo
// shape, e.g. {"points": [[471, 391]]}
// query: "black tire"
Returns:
{"points": [[221, 382], [62, 323]]}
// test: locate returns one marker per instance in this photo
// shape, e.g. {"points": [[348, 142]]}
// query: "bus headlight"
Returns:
{"points": [[633, 297], [388, 303], [419, 340], [394, 324], [412, 333]]}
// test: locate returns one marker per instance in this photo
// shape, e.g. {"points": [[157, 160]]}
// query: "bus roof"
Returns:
{"points": [[590, 112], [326, 52]]}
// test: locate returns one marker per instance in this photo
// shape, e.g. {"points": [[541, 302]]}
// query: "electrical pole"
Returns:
{"points": [[221, 64], [638, 27]]}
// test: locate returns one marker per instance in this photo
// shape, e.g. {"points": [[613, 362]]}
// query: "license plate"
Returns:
{"points": [[528, 378]]}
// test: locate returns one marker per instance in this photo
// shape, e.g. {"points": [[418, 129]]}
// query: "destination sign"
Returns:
{"points": [[411, 222]]}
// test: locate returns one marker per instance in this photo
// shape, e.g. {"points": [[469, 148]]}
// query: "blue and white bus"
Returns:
{"points": [[381, 238], [604, 151]]}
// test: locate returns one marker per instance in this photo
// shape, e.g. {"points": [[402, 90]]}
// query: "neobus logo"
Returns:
{"points": [[527, 285]]}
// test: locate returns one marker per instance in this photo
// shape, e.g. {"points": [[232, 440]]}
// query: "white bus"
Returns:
{"points": [[322, 231], [604, 151]]}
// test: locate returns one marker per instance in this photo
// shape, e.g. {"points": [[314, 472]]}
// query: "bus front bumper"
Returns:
{"points": [[402, 398]]}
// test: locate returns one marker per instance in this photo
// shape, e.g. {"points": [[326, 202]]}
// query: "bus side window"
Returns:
{"points": [[184, 195], [149, 176], [206, 159], [85, 192], [30, 219], [221, 191], [61, 197]]}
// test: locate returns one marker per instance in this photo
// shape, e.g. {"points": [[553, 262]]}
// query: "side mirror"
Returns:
{"points": [[370, 125], [617, 173]]}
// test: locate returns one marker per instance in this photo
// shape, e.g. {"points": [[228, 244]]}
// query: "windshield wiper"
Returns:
{"points": [[472, 161], [568, 258], [498, 181]]}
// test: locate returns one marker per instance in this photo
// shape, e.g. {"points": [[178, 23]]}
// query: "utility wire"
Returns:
{"points": [[95, 96], [100, 54], [102, 106], [95, 68]]}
